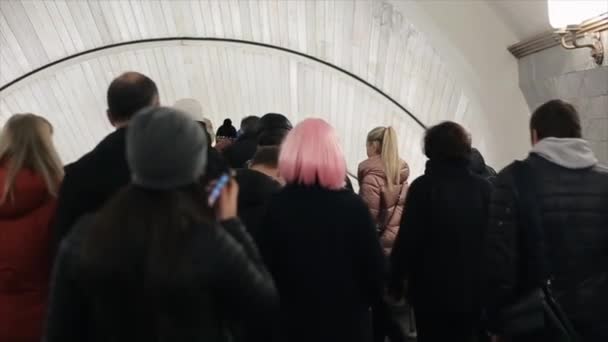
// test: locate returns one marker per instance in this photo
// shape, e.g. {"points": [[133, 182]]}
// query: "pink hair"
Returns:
{"points": [[312, 155]]}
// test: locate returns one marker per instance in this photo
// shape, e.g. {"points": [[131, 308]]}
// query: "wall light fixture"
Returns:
{"points": [[574, 23]]}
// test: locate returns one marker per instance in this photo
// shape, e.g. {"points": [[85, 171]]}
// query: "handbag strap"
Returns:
{"points": [[531, 229]]}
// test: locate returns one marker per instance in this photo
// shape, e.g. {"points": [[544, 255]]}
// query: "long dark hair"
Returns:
{"points": [[139, 250]]}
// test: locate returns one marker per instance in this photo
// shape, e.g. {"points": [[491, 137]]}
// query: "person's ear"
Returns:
{"points": [[156, 102], [110, 117], [534, 137]]}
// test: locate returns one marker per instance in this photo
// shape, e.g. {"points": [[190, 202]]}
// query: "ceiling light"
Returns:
{"points": [[563, 12]]}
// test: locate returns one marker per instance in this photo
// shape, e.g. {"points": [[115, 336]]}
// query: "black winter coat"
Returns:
{"points": [[439, 247], [255, 192], [231, 287], [238, 154], [574, 205], [322, 249], [91, 181], [479, 167]]}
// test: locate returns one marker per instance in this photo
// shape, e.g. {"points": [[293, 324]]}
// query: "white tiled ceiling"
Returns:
{"points": [[230, 79]]}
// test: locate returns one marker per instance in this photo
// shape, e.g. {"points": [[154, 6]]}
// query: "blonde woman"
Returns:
{"points": [[30, 173], [383, 183], [383, 186]]}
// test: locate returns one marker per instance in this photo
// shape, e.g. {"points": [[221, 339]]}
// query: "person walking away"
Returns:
{"points": [[383, 187], [238, 154], [154, 264], [439, 248], [30, 174], [572, 191], [383, 183], [257, 185], [320, 243], [94, 178], [226, 130], [225, 135]]}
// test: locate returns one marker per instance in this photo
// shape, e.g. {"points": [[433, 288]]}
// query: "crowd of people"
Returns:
{"points": [[169, 231]]}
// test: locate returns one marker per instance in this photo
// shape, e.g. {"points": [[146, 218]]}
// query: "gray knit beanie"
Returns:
{"points": [[166, 149]]}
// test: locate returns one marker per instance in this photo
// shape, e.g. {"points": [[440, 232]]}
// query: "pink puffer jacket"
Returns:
{"points": [[372, 187]]}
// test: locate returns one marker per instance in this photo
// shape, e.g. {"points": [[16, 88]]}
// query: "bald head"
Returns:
{"points": [[129, 93]]}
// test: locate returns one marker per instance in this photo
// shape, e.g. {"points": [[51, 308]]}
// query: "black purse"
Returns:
{"points": [[537, 311]]}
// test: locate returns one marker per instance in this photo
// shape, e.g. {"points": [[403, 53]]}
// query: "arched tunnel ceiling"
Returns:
{"points": [[229, 80], [525, 18], [358, 36]]}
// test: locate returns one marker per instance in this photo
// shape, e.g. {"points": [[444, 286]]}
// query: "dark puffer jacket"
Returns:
{"points": [[574, 205], [479, 167], [231, 287]]}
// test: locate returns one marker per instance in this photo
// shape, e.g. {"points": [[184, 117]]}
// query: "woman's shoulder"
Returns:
{"points": [[371, 165], [314, 196], [345, 201]]}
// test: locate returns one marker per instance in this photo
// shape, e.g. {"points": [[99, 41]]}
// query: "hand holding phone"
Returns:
{"points": [[217, 189], [226, 198]]}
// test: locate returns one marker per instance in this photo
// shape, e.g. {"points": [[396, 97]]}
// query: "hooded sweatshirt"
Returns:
{"points": [[571, 153]]}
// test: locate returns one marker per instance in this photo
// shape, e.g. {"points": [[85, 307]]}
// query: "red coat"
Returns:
{"points": [[24, 257], [372, 187]]}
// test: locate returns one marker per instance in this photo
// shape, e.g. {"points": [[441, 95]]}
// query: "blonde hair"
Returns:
{"points": [[24, 143], [386, 137]]}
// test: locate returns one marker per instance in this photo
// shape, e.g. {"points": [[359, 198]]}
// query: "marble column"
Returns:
{"points": [[571, 75]]}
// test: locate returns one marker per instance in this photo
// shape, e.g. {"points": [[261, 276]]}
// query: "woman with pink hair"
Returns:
{"points": [[320, 243]]}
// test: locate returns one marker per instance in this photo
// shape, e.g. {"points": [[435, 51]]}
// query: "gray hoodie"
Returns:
{"points": [[571, 153]]}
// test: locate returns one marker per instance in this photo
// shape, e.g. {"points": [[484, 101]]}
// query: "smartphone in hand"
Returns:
{"points": [[217, 189]]}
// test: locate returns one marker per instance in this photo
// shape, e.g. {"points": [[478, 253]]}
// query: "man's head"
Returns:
{"points": [[266, 161], [273, 121], [273, 129], [250, 125], [447, 141], [557, 119], [128, 94]]}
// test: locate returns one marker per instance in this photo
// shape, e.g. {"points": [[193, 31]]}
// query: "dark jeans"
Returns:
{"points": [[446, 327]]}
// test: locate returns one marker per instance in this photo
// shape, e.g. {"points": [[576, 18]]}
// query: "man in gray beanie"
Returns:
{"points": [[166, 149]]}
